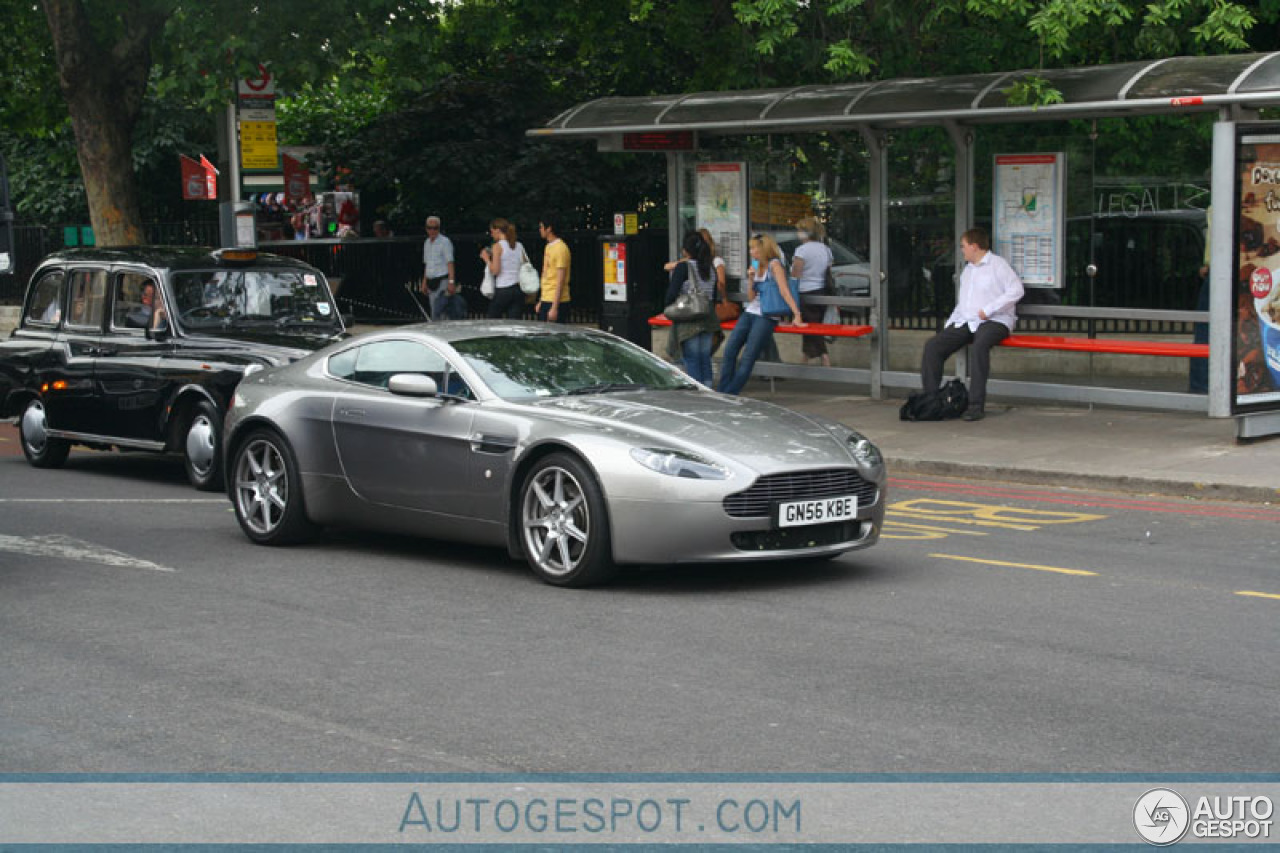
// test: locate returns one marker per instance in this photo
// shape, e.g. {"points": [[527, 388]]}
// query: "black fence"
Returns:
{"points": [[1143, 262]]}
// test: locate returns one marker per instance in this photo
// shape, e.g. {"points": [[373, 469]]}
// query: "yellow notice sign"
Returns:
{"points": [[258, 145]]}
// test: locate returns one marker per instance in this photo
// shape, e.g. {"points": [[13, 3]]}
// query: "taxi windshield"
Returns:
{"points": [[252, 297]]}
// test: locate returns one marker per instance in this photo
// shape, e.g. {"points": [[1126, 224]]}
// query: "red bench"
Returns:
{"points": [[827, 330], [1166, 348]]}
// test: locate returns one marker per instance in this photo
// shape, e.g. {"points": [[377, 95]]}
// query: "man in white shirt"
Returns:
{"points": [[438, 282], [985, 315]]}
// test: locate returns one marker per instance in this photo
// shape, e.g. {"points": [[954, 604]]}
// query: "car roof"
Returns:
{"points": [[171, 258], [464, 330]]}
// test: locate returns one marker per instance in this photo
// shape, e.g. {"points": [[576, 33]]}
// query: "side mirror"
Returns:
{"points": [[412, 385]]}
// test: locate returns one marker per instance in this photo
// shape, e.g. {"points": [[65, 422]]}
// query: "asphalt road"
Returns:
{"points": [[996, 628]]}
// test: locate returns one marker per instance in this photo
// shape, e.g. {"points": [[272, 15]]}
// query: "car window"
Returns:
{"points": [[374, 364], [135, 299], [550, 365], [45, 307], [88, 299]]}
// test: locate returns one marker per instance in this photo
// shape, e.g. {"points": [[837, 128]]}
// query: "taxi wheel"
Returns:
{"points": [[202, 448], [41, 450], [267, 491], [564, 525]]}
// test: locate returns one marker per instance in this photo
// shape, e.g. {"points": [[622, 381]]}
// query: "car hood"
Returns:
{"points": [[281, 347], [761, 435]]}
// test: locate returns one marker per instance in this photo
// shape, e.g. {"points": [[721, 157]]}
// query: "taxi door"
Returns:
{"points": [[66, 378], [127, 367]]}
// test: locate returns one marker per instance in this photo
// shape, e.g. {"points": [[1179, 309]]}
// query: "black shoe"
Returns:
{"points": [[973, 413]]}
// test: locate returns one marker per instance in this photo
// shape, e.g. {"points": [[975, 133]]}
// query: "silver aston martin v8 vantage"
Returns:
{"points": [[574, 449]]}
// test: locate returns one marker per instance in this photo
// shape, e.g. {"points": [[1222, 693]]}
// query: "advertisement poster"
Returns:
{"points": [[779, 211], [721, 209], [1256, 319], [1029, 217]]}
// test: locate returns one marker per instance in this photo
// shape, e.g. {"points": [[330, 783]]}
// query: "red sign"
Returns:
{"points": [[297, 180], [679, 140], [199, 179], [1260, 283], [1186, 102]]}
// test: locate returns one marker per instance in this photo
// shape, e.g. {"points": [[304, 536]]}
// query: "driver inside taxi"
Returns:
{"points": [[147, 314]]}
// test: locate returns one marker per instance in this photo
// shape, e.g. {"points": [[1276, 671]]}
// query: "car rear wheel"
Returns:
{"points": [[40, 450], [202, 449], [267, 492], [564, 526]]}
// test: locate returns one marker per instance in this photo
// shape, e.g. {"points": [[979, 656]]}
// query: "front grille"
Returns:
{"points": [[758, 500], [796, 538]]}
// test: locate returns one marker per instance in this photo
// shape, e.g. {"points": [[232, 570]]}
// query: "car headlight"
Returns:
{"points": [[678, 463], [864, 451]]}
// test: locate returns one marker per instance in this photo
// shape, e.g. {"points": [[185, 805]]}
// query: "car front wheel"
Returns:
{"points": [[201, 451], [564, 525], [267, 492], [41, 450]]}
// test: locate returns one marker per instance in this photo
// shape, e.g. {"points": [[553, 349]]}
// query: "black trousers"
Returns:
{"points": [[951, 339], [507, 302]]}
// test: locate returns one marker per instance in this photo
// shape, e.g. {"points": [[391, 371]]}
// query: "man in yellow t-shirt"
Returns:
{"points": [[555, 273]]}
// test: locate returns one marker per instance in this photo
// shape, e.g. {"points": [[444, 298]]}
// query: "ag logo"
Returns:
{"points": [[1161, 816]]}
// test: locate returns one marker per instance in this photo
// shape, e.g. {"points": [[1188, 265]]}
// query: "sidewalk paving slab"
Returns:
{"points": [[1142, 452]]}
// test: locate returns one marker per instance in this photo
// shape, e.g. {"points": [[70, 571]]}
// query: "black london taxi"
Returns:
{"points": [[141, 348]]}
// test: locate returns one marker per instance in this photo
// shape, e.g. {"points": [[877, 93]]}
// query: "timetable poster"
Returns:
{"points": [[1029, 217], [722, 210]]}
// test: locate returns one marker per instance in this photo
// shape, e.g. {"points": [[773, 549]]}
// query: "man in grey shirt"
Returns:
{"points": [[438, 282]]}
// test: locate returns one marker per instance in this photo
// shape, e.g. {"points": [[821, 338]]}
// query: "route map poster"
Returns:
{"points": [[1255, 332], [1029, 217], [722, 210]]}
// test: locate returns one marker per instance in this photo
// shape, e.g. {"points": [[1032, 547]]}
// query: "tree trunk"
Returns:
{"points": [[103, 86]]}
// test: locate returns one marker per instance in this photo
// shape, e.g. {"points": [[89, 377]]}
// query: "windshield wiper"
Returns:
{"points": [[606, 388]]}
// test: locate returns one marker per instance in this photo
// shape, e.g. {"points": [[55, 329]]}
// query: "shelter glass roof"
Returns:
{"points": [[1176, 84]]}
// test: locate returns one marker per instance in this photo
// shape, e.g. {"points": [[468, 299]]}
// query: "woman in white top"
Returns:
{"points": [[810, 266], [504, 261]]}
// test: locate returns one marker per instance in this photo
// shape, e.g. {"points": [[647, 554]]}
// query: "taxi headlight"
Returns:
{"points": [[678, 463]]}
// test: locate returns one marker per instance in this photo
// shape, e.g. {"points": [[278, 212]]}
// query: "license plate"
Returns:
{"points": [[821, 511]]}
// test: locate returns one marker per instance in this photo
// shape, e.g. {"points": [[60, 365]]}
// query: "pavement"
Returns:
{"points": [[1078, 446]]}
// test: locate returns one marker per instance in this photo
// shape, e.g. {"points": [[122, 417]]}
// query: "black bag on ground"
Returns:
{"points": [[946, 403]]}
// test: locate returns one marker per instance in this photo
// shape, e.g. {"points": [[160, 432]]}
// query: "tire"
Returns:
{"points": [[202, 447], [41, 450], [266, 491], [564, 524]]}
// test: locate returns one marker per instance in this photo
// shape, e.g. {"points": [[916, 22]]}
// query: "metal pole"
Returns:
{"points": [[876, 145], [962, 139], [1221, 265]]}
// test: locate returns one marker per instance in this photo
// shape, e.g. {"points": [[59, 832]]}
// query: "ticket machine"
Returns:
{"points": [[634, 283]]}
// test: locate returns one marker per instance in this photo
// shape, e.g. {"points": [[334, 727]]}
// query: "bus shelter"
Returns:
{"points": [[1242, 175]]}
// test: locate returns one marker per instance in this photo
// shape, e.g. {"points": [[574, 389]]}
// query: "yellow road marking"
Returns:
{"points": [[936, 529], [1252, 594], [1055, 569], [928, 516]]}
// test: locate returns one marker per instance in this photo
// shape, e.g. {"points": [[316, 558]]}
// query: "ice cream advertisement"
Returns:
{"points": [[1256, 327]]}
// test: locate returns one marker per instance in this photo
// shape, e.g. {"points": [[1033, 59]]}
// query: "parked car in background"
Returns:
{"points": [[850, 270], [140, 348], [571, 448]]}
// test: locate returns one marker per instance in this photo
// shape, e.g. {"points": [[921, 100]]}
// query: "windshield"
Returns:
{"points": [[252, 297], [518, 367]]}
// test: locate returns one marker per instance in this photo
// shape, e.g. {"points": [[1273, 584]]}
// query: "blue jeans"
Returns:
{"points": [[749, 338], [697, 358]]}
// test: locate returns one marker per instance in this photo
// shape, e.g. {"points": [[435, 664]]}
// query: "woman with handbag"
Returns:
{"points": [[693, 276], [768, 296], [503, 262], [810, 266]]}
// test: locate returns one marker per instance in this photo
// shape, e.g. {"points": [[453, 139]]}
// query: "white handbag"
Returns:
{"points": [[487, 287], [530, 281]]}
